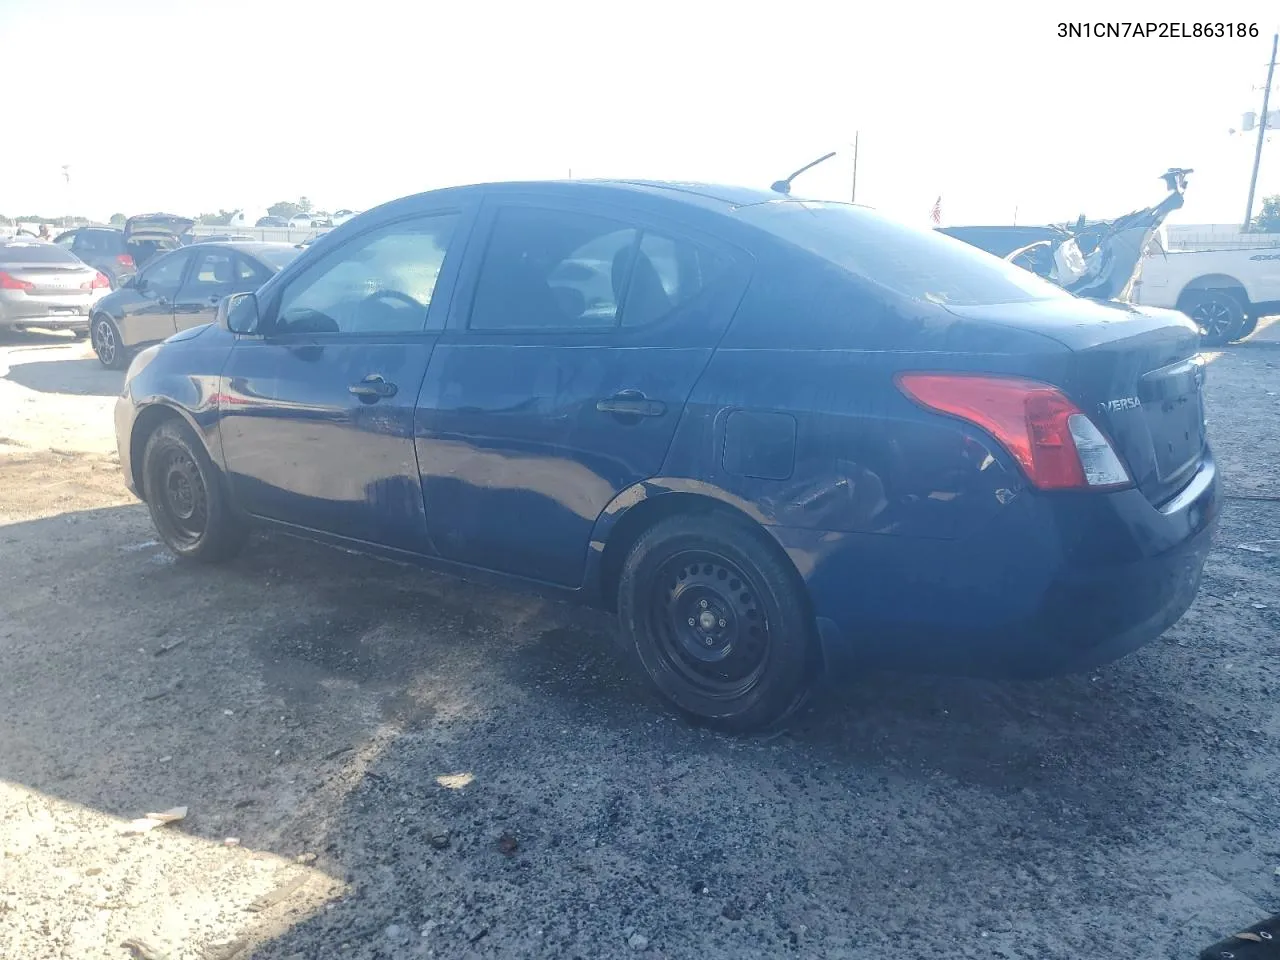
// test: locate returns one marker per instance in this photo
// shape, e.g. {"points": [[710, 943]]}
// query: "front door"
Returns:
{"points": [[148, 316], [574, 341], [317, 413]]}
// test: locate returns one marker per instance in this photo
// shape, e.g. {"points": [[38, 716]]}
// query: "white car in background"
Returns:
{"points": [[1224, 291]]}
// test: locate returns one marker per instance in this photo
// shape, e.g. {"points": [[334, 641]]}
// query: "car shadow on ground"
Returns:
{"points": [[32, 368], [488, 774]]}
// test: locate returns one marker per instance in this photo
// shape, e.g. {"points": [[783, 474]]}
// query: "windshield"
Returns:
{"points": [[916, 263]]}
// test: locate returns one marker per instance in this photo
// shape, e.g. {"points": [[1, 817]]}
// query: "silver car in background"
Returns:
{"points": [[43, 285]]}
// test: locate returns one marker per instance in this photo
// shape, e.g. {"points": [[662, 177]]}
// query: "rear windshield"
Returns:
{"points": [[916, 263], [20, 251], [276, 257]]}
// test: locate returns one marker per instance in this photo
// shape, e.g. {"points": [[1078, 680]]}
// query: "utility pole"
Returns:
{"points": [[853, 193], [1262, 131]]}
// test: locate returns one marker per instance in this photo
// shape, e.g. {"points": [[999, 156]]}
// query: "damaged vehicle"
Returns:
{"points": [[781, 439], [1124, 259]]}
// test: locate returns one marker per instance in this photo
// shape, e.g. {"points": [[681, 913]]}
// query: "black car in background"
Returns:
{"points": [[102, 248], [179, 290]]}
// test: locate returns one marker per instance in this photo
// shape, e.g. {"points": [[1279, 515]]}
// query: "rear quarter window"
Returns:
{"points": [[916, 263]]}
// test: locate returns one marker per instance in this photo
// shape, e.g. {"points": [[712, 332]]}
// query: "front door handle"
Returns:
{"points": [[631, 403], [373, 388]]}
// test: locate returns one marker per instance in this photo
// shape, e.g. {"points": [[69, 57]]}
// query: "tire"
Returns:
{"points": [[1219, 314], [745, 662], [187, 498], [107, 343]]}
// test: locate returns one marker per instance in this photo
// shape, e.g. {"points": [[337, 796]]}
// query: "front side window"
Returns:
{"points": [[163, 277], [379, 282]]}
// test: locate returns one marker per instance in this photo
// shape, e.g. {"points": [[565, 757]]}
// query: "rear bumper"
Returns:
{"points": [[1054, 585], [54, 312]]}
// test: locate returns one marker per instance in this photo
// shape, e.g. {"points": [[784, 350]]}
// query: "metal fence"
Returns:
{"points": [[1216, 236], [273, 234]]}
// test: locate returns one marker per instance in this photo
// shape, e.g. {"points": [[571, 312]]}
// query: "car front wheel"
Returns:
{"points": [[105, 337], [186, 497], [718, 621]]}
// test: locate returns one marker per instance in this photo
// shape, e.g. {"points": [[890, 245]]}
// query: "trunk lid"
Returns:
{"points": [[1136, 371], [50, 279], [157, 227]]}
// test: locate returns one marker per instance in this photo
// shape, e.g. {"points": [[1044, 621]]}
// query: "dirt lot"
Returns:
{"points": [[414, 767]]}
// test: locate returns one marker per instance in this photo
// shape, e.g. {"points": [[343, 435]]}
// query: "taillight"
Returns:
{"points": [[1057, 446], [8, 282], [125, 260], [97, 283]]}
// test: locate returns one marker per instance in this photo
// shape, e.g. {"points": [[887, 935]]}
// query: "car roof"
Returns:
{"points": [[247, 246], [712, 195]]}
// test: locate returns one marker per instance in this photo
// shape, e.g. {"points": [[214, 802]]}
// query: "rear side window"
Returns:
{"points": [[916, 263], [561, 270], [213, 274], [251, 272]]}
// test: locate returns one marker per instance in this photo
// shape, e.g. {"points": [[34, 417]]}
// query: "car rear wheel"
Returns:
{"points": [[718, 621], [105, 336], [1219, 315], [185, 495]]}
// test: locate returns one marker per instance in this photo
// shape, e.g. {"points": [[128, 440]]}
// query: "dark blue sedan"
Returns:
{"points": [[780, 438]]}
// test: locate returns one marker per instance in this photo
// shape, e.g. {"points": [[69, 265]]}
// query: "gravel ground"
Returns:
{"points": [[379, 762]]}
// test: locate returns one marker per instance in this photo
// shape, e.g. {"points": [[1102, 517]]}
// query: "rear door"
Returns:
{"points": [[212, 276], [575, 340]]}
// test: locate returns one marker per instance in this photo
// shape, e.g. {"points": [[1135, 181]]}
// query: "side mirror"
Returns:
{"points": [[239, 313]]}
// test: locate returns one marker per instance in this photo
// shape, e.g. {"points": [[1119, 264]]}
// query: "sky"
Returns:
{"points": [[192, 106]]}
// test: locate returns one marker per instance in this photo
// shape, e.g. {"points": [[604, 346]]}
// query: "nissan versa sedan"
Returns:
{"points": [[178, 290], [43, 285], [782, 439]]}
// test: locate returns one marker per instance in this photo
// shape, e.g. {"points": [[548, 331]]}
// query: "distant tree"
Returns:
{"points": [[220, 219], [1268, 221], [284, 208], [117, 219], [304, 205], [5, 220]]}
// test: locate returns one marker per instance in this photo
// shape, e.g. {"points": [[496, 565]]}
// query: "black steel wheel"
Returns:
{"points": [[718, 620], [1218, 314], [708, 624], [185, 495]]}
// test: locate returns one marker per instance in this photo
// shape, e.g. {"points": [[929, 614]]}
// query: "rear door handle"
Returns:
{"points": [[631, 403], [373, 387]]}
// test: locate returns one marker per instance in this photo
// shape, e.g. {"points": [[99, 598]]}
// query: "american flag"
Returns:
{"points": [[936, 215]]}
